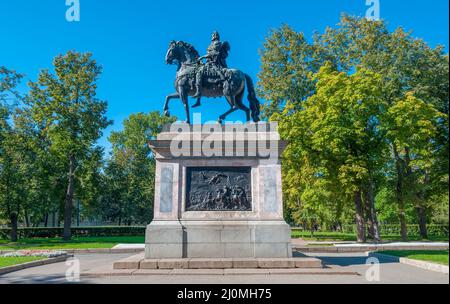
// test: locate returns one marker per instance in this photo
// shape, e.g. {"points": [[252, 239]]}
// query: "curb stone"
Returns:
{"points": [[349, 249], [416, 263], [103, 250], [43, 262]]}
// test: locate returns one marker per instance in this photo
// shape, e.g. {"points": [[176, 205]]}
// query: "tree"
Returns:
{"points": [[130, 172], [340, 137], [12, 151], [65, 103], [288, 62], [412, 126], [407, 66]]}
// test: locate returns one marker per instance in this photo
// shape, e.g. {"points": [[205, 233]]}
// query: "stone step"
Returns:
{"points": [[131, 262], [109, 272], [139, 262]]}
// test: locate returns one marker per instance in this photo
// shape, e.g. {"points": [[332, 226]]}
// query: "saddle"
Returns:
{"points": [[213, 74]]}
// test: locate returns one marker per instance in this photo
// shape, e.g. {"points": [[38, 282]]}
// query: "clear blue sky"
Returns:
{"points": [[130, 38]]}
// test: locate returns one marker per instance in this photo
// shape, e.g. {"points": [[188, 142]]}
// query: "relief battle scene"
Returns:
{"points": [[219, 189]]}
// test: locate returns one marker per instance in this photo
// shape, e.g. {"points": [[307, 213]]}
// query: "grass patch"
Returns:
{"points": [[350, 237], [109, 242], [11, 261], [435, 256], [75, 243]]}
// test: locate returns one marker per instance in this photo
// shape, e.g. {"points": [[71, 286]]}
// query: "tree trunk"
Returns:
{"points": [[422, 222], [27, 218], [13, 218], [46, 220], [372, 219], [399, 195], [54, 224], [369, 222], [421, 210], [360, 225], [69, 201]]}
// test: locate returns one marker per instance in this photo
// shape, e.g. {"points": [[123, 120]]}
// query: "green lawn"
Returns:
{"points": [[346, 237], [11, 261], [109, 242], [438, 256], [75, 243]]}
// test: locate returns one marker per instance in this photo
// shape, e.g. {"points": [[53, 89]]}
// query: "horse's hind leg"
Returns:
{"points": [[224, 115], [231, 101], [166, 104], [240, 105]]}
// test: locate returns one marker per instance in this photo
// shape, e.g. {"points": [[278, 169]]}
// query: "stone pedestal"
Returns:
{"points": [[245, 220]]}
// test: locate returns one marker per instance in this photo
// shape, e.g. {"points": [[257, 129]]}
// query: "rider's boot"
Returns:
{"points": [[198, 103], [198, 85]]}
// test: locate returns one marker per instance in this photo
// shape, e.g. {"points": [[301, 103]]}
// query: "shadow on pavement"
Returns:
{"points": [[352, 261], [45, 279]]}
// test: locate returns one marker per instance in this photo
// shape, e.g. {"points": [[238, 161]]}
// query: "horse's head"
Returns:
{"points": [[181, 52], [172, 52]]}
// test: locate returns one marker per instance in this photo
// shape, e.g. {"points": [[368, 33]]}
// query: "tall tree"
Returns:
{"points": [[407, 66], [340, 136], [131, 170], [65, 103], [11, 153]]}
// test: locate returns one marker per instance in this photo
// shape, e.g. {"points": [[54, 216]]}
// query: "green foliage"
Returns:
{"points": [[130, 173], [15, 156], [64, 108], [340, 144], [362, 108]]}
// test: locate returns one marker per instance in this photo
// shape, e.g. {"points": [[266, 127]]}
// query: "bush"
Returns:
{"points": [[42, 232]]}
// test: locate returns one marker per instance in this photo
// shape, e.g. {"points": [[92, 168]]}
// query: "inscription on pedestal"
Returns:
{"points": [[218, 189]]}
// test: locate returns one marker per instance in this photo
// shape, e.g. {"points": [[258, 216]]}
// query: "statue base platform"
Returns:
{"points": [[218, 239], [218, 193]]}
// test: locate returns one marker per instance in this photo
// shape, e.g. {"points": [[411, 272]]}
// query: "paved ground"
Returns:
{"points": [[351, 262]]}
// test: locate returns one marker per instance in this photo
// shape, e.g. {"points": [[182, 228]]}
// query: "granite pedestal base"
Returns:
{"points": [[218, 239], [203, 208]]}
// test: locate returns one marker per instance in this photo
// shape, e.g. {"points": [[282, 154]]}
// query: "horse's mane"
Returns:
{"points": [[190, 48]]}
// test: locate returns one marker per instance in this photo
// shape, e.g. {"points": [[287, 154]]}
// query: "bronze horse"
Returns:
{"points": [[232, 87]]}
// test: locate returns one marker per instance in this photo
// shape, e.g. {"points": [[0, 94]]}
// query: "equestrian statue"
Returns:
{"points": [[212, 78]]}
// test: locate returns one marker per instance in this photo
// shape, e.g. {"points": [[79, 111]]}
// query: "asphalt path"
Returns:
{"points": [[386, 272]]}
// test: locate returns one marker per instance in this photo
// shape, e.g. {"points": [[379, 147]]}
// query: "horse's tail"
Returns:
{"points": [[254, 102]]}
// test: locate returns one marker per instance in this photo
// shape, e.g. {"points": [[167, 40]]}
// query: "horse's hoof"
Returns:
{"points": [[196, 105], [167, 113]]}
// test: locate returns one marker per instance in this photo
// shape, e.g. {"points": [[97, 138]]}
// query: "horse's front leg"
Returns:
{"points": [[185, 99], [166, 104]]}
